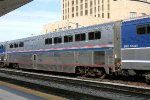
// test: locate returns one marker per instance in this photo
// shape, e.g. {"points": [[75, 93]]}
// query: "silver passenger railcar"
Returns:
{"points": [[89, 50], [111, 48]]}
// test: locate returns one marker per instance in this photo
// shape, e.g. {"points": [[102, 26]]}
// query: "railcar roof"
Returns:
{"points": [[60, 32], [137, 18]]}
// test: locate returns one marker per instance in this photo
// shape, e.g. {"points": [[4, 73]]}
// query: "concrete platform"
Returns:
{"points": [[13, 92]]}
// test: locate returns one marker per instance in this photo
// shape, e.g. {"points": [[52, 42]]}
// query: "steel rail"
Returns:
{"points": [[106, 90]]}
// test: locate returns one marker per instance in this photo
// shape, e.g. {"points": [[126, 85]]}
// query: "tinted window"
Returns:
{"points": [[80, 37], [77, 37], [1, 47], [68, 38], [94, 35], [21, 44], [11, 46], [57, 40], [148, 29], [97, 35], [141, 30], [16, 45], [91, 36], [48, 41]]}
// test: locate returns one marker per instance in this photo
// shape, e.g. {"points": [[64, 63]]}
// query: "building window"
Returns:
{"points": [[86, 5], [57, 40], [68, 38], [77, 14], [81, 13], [133, 14], [94, 35], [76, 1], [81, 6], [102, 15], [144, 14], [95, 9], [94, 2], [65, 17], [98, 8], [72, 9], [72, 3], [76, 8], [80, 37], [91, 11], [86, 12], [69, 27], [91, 3], [108, 5], [102, 7], [108, 15], [72, 15]]}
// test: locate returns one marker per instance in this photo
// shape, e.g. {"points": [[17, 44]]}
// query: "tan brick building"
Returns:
{"points": [[79, 13]]}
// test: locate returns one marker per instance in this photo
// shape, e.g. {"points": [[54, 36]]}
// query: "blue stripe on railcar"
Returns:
{"points": [[2, 50], [82, 49], [130, 38]]}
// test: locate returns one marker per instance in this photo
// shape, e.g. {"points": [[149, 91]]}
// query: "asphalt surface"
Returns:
{"points": [[13, 92]]}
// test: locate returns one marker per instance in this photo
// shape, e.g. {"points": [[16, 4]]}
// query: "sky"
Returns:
{"points": [[29, 19]]}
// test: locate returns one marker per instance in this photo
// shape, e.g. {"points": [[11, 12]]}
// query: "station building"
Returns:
{"points": [[80, 13]]}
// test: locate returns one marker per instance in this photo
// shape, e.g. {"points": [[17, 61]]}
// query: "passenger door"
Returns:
{"points": [[34, 61]]}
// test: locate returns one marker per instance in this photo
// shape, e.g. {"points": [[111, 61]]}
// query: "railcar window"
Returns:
{"points": [[77, 37], [91, 35], [48, 41], [148, 29], [94, 35], [141, 30], [1, 47], [11, 46], [97, 35], [16, 45], [57, 40], [21, 44], [68, 38], [80, 37]]}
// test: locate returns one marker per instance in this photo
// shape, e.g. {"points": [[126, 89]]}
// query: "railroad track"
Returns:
{"points": [[106, 90]]}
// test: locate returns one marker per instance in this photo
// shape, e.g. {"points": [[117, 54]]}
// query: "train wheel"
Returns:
{"points": [[2, 65], [90, 72], [80, 70], [16, 66], [100, 73]]}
